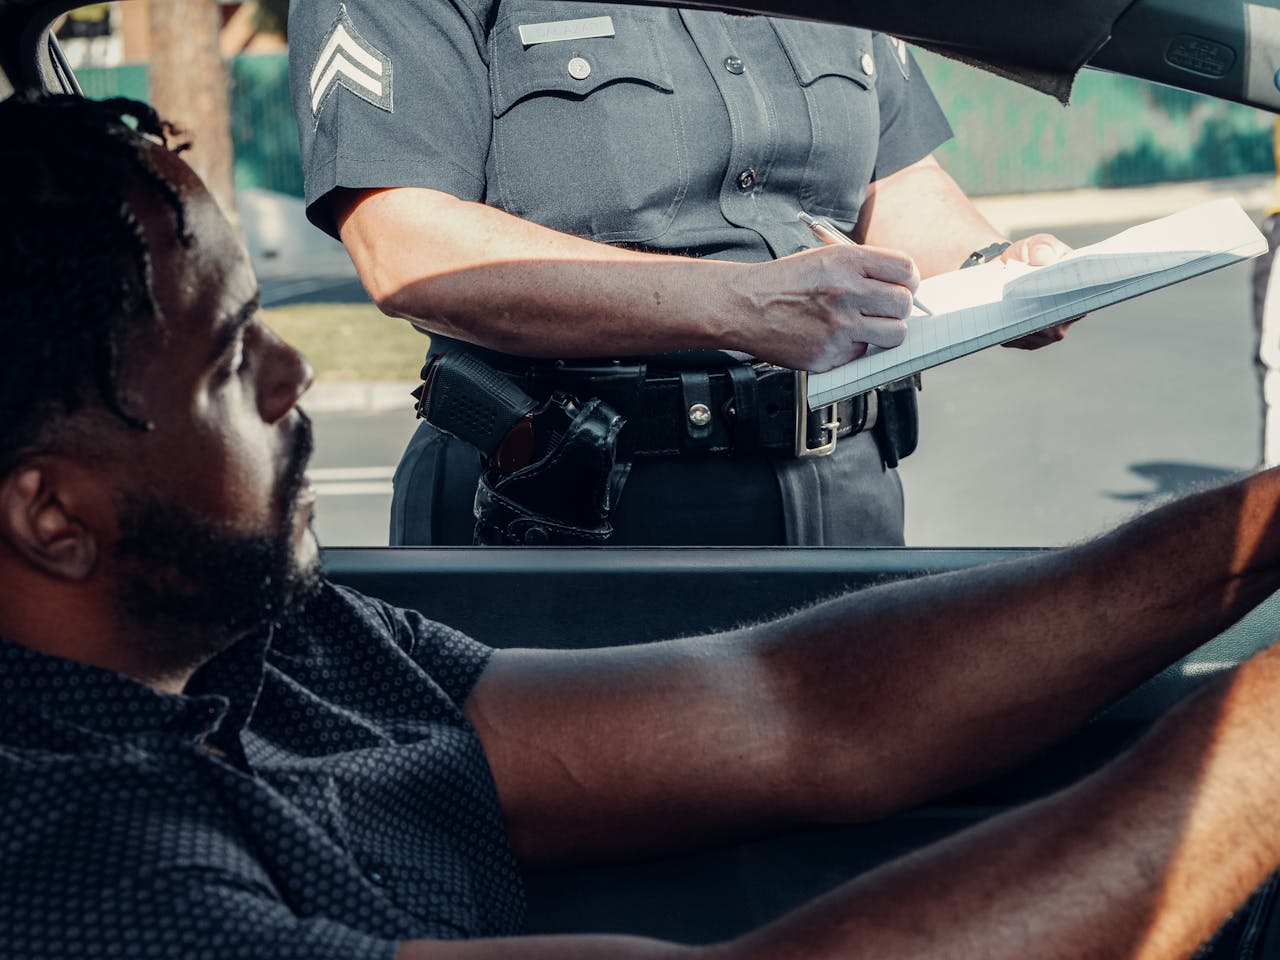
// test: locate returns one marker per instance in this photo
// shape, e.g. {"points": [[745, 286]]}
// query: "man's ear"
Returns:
{"points": [[40, 519]]}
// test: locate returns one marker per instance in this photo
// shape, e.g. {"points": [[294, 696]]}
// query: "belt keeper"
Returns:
{"points": [[744, 415], [695, 395]]}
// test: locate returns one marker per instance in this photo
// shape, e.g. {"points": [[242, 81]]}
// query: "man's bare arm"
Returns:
{"points": [[473, 272], [866, 704], [1143, 860]]}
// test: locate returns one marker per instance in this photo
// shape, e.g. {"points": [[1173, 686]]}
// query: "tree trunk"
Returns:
{"points": [[189, 88]]}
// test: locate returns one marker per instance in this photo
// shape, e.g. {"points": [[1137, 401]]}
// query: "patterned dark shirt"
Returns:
{"points": [[316, 793]]}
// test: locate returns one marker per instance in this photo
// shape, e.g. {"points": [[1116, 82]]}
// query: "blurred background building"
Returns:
{"points": [[112, 34]]}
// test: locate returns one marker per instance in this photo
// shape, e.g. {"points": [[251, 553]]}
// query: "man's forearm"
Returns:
{"points": [[1143, 860], [953, 678], [866, 704]]}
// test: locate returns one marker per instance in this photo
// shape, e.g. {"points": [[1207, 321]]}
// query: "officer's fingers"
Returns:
{"points": [[875, 298], [838, 352], [888, 266], [1042, 338], [854, 337], [1039, 249], [879, 331]]}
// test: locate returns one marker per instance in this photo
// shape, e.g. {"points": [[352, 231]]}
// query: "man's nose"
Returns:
{"points": [[286, 376]]}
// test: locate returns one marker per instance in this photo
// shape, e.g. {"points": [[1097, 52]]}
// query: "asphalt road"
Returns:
{"points": [[1143, 400]]}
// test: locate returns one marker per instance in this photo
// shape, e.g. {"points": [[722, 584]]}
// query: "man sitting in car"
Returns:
{"points": [[206, 750]]}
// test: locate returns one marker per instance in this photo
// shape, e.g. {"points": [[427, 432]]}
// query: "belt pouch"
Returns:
{"points": [[744, 412], [897, 429], [695, 397]]}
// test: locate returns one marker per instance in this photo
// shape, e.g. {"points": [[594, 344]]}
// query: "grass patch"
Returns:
{"points": [[350, 341]]}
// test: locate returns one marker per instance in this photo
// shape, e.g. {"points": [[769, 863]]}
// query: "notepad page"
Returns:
{"points": [[1146, 248], [976, 328], [1096, 270], [974, 312]]}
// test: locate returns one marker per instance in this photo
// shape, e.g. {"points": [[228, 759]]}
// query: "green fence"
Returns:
{"points": [[1117, 131], [262, 126]]}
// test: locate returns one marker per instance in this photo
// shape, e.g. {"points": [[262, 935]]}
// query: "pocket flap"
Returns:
{"points": [[573, 67], [819, 50]]}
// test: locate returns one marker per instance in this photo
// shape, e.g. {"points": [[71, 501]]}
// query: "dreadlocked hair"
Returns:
{"points": [[75, 271]]}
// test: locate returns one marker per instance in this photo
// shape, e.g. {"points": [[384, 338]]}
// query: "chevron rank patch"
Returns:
{"points": [[902, 56], [349, 60]]}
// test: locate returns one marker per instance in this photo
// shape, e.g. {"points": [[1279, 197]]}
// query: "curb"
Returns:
{"points": [[359, 396]]}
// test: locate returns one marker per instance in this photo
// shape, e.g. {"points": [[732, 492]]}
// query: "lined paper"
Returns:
{"points": [[997, 302]]}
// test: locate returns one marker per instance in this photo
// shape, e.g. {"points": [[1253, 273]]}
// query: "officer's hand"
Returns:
{"points": [[820, 308], [1039, 250]]}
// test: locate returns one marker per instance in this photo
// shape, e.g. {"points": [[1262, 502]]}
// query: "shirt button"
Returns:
{"points": [[734, 65], [375, 878], [868, 65], [746, 179], [579, 68]]}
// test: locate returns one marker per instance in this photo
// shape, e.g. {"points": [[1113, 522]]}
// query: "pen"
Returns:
{"points": [[828, 233]]}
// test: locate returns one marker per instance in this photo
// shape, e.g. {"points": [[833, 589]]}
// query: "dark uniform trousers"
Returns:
{"points": [[848, 498]]}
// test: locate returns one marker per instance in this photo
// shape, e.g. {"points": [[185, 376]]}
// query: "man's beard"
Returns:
{"points": [[190, 588]]}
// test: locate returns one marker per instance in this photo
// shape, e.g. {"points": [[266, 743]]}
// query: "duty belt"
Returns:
{"points": [[557, 440], [741, 409]]}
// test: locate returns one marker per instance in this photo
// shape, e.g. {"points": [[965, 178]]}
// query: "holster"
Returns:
{"points": [[551, 472], [897, 429], [564, 496]]}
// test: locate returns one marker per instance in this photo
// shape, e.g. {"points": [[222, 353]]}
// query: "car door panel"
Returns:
{"points": [[567, 597]]}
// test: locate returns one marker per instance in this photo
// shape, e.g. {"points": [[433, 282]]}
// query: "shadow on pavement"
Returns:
{"points": [[1168, 478]]}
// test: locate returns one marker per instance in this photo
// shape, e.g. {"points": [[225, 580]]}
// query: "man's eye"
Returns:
{"points": [[231, 365]]}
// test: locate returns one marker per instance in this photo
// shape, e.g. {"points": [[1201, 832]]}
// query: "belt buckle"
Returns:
{"points": [[830, 426]]}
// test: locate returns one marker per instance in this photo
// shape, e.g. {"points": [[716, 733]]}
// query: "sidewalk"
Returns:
{"points": [[359, 396], [1018, 213], [298, 263]]}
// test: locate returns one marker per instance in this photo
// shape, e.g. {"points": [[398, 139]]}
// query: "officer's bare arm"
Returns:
{"points": [[866, 704], [474, 272], [1142, 860], [922, 211]]}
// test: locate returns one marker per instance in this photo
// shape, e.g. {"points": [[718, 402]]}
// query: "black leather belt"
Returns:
{"points": [[740, 409]]}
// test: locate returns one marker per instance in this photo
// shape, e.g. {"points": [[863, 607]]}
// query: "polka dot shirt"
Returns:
{"points": [[316, 793]]}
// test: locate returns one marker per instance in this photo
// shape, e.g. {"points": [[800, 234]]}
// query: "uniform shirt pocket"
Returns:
{"points": [[587, 134], [836, 70]]}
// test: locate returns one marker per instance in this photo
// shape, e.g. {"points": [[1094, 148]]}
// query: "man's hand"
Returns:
{"points": [[820, 308], [1039, 250]]}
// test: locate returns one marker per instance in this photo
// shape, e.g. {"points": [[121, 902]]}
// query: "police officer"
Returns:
{"points": [[604, 199]]}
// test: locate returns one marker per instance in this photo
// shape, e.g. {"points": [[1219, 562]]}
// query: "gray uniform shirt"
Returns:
{"points": [[674, 130]]}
